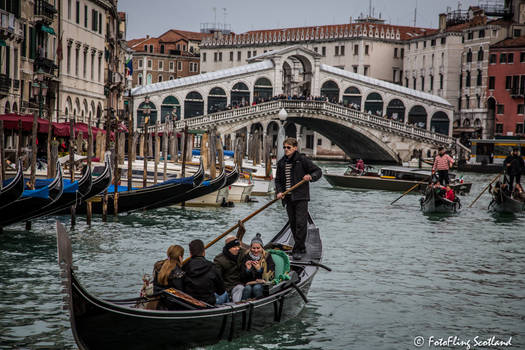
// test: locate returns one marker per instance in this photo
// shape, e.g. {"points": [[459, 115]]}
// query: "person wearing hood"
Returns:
{"points": [[201, 278], [291, 169], [514, 166], [257, 268], [228, 264]]}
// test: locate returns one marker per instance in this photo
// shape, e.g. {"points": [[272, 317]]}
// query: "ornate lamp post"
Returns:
{"points": [[146, 111], [39, 88]]}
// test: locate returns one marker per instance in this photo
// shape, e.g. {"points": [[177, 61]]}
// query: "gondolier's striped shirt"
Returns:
{"points": [[288, 174], [443, 162]]}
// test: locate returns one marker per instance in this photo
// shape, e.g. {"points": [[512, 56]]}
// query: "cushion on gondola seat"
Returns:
{"points": [[282, 265]]}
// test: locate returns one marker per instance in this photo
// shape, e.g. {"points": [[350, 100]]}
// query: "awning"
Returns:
{"points": [[48, 30], [62, 129], [2, 43], [11, 122]]}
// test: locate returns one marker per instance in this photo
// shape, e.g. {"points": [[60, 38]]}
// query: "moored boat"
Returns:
{"points": [[13, 188], [102, 324]]}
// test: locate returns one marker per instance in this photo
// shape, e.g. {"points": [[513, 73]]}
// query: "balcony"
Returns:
{"points": [[47, 65], [5, 85], [10, 27], [44, 11]]}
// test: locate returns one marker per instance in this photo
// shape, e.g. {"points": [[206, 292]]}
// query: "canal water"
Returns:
{"points": [[397, 274]]}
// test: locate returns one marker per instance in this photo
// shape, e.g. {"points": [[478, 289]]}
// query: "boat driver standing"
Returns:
{"points": [[514, 166], [291, 169], [442, 164]]}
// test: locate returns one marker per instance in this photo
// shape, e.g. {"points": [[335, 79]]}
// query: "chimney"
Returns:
{"points": [[442, 22], [147, 36]]}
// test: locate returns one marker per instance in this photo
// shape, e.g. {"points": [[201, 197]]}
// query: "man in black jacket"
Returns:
{"points": [[291, 169], [201, 278], [514, 166]]}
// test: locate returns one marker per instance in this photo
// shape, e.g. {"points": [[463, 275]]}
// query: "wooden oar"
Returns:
{"points": [[250, 216], [494, 179], [407, 192]]}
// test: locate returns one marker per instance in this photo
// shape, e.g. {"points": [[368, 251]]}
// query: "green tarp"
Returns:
{"points": [[48, 30]]}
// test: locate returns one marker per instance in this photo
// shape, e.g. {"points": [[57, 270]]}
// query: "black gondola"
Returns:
{"points": [[103, 324], [163, 194], [24, 207], [13, 189], [232, 176], [435, 203], [502, 201]]}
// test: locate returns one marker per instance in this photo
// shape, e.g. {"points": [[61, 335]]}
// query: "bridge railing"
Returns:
{"points": [[337, 110]]}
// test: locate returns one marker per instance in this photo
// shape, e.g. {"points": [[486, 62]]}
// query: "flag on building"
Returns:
{"points": [[129, 66], [60, 54]]}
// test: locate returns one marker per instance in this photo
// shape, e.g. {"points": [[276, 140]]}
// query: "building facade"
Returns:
{"points": [[506, 86], [172, 55]]}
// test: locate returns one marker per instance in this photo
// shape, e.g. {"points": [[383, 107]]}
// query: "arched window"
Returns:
{"points": [[193, 105], [480, 54], [418, 116], [396, 110], [352, 98], [374, 104], [170, 107], [440, 123], [15, 107], [262, 90], [330, 90], [139, 77], [142, 113], [240, 95], [216, 100], [469, 56], [7, 108]]}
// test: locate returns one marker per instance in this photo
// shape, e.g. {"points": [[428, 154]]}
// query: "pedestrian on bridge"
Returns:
{"points": [[291, 169]]}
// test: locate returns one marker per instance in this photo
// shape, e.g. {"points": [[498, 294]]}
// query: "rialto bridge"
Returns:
{"points": [[365, 117]]}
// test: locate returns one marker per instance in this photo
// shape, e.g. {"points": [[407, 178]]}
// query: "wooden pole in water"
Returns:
{"points": [[157, 154], [104, 149], [184, 147], [72, 165], [48, 148], [2, 154], [19, 140], [89, 211], [146, 152], [116, 178], [165, 151], [212, 146], [54, 157], [204, 153], [131, 148]]}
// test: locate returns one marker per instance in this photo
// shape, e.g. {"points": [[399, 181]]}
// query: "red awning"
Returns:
{"points": [[62, 129], [11, 122]]}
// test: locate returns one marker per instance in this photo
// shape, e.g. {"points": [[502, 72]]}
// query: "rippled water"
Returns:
{"points": [[397, 273]]}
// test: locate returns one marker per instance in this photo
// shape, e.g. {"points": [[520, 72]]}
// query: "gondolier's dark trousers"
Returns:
{"points": [[443, 177], [511, 180], [298, 217]]}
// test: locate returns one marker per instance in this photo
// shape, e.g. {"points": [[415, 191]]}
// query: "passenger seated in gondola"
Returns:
{"points": [[360, 165], [228, 265], [257, 267], [168, 273], [450, 194], [201, 279]]}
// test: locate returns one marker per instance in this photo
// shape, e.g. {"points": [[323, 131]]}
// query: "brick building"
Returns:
{"points": [[506, 86]]}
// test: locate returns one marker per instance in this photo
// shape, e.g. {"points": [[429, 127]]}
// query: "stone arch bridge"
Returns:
{"points": [[365, 117]]}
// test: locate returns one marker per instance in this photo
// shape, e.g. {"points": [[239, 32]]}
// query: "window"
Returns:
{"points": [[521, 109], [414, 82], [508, 82], [356, 50], [160, 78], [85, 16], [443, 41], [336, 53], [499, 128], [99, 67], [145, 48], [406, 82], [319, 142], [94, 19], [402, 52], [215, 54], [141, 63], [519, 128], [366, 49], [492, 83], [500, 109], [492, 58], [481, 33], [249, 54], [441, 81], [162, 48], [422, 83], [470, 35], [139, 78], [77, 17], [84, 68], [395, 52], [172, 66], [366, 69], [467, 101], [150, 64], [220, 56], [254, 53], [424, 43], [323, 50], [316, 49], [342, 50], [480, 54], [92, 66], [68, 57], [460, 81], [469, 56], [179, 65], [478, 98], [431, 83], [515, 84], [354, 68], [517, 32], [204, 57], [467, 79], [100, 23], [433, 42], [239, 54], [503, 58], [231, 56], [510, 58], [151, 48], [161, 65], [478, 78], [522, 57], [77, 53]]}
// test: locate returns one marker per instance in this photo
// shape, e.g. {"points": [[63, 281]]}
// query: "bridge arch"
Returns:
{"points": [[440, 123], [396, 110], [217, 100], [141, 113], [170, 108], [418, 116], [262, 89], [239, 93], [193, 105], [374, 104], [304, 73], [352, 97], [330, 90]]}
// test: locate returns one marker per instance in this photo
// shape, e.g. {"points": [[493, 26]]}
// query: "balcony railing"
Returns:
{"points": [[45, 10], [10, 26], [5, 84], [47, 65]]}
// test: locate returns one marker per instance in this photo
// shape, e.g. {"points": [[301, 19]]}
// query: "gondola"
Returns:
{"points": [[502, 201], [99, 185], [163, 194], [434, 203], [204, 188], [12, 189], [33, 201], [232, 176], [118, 324]]}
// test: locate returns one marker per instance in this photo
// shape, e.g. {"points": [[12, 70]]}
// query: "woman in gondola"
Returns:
{"points": [[168, 273], [257, 267]]}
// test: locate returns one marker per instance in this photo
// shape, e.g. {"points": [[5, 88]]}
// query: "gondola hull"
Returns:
{"points": [[13, 190], [503, 203], [432, 203], [103, 324]]}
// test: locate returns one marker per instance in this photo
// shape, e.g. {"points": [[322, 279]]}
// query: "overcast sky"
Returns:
{"points": [[154, 17]]}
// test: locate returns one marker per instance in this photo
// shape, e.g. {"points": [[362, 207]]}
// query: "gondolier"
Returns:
{"points": [[442, 164], [514, 166], [291, 169]]}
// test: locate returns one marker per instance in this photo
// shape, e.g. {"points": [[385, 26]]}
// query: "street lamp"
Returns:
{"points": [[39, 89]]}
